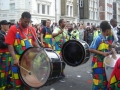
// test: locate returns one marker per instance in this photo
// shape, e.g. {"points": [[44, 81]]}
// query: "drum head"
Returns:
{"points": [[73, 53], [36, 61]]}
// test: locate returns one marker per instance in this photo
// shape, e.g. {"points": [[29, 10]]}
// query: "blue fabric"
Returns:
{"points": [[27, 44], [96, 42], [98, 70], [14, 69]]}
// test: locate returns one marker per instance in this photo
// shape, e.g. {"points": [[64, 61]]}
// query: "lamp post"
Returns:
{"points": [[55, 12], [78, 10]]}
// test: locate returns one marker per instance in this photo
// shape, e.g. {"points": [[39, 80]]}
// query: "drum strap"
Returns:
{"points": [[37, 40], [17, 26], [39, 43]]}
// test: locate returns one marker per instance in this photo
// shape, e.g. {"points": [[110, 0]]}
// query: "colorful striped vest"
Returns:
{"points": [[47, 39], [21, 44]]}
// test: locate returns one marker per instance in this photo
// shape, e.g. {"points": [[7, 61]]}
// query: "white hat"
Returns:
{"points": [[118, 26]]}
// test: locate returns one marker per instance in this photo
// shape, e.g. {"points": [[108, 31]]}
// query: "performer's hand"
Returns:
{"points": [[43, 45], [105, 54], [60, 32], [16, 62]]}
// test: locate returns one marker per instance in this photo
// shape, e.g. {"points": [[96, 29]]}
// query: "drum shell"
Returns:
{"points": [[72, 49], [87, 52], [54, 64]]}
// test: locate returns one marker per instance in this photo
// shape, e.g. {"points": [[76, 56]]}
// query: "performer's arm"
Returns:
{"points": [[43, 32], [94, 46], [41, 38], [11, 50], [56, 34], [35, 44], [99, 52]]}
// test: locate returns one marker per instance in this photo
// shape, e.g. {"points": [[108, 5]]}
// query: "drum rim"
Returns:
{"points": [[107, 65], [51, 60], [45, 49], [83, 52], [19, 69], [86, 50], [21, 78]]}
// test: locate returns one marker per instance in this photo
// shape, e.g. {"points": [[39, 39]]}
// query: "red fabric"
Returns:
{"points": [[100, 64], [18, 82], [116, 73], [10, 38], [94, 59]]}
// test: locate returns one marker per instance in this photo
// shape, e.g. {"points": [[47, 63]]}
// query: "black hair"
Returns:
{"points": [[104, 25], [60, 21], [26, 15], [48, 20], [112, 20], [44, 23]]}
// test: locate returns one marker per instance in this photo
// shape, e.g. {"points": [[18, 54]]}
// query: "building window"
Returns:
{"points": [[12, 8], [119, 18], [68, 10], [38, 6], [91, 3], [71, 10], [48, 9], [43, 9], [12, 21], [81, 3], [118, 12], [97, 17], [91, 14]]}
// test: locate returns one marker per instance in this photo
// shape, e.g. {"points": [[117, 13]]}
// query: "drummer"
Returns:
{"points": [[19, 38], [100, 48], [46, 35], [61, 36], [114, 83]]}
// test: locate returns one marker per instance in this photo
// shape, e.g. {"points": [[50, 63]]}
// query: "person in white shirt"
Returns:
{"points": [[113, 24], [112, 38]]}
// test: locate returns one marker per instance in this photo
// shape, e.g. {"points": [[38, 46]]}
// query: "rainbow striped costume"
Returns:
{"points": [[48, 39], [110, 38], [98, 68], [58, 45], [5, 63], [114, 83], [20, 45], [5, 68]]}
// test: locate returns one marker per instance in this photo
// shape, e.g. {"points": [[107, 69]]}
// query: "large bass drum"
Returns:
{"points": [[75, 52], [39, 67]]}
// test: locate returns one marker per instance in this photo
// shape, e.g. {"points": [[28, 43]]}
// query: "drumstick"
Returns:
{"points": [[25, 70]]}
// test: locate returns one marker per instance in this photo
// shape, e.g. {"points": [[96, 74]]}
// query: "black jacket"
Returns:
{"points": [[3, 45]]}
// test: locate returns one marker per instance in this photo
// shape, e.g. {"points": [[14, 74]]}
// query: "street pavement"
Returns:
{"points": [[77, 78]]}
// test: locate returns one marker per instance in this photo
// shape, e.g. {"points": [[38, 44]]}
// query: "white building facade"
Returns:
{"points": [[94, 12], [40, 10], [117, 9], [93, 9]]}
